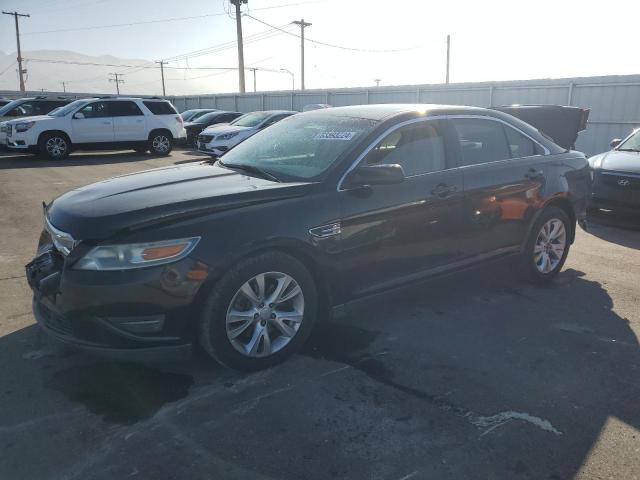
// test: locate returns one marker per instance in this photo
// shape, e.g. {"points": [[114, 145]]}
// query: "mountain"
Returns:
{"points": [[47, 69]]}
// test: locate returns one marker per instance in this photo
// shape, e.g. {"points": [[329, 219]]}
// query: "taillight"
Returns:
{"points": [[179, 119]]}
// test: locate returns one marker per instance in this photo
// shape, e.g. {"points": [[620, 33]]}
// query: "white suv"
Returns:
{"points": [[105, 123], [219, 139]]}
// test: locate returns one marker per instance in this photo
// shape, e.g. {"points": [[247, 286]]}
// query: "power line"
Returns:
{"points": [[325, 44], [117, 81], [7, 69], [160, 20]]}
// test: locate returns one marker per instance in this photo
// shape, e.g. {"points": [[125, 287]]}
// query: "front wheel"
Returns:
{"points": [[259, 313], [55, 146], [547, 246], [160, 143]]}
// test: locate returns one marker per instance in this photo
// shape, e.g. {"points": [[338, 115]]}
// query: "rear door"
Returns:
{"points": [[95, 124], [392, 233], [503, 173], [128, 121]]}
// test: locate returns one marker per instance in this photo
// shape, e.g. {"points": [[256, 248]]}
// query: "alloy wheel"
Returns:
{"points": [[56, 147], [161, 143], [265, 314], [550, 245]]}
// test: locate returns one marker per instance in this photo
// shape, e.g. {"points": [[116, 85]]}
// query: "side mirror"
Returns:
{"points": [[385, 174], [615, 142], [78, 115]]}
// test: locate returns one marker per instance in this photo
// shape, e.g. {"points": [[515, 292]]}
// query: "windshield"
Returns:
{"points": [[250, 119], [300, 147], [187, 114], [9, 106], [198, 114], [632, 143], [68, 108], [206, 117]]}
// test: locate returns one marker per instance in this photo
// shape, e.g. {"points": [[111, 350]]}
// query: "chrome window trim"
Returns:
{"points": [[426, 119]]}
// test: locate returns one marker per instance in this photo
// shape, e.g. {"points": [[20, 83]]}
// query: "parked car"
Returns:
{"points": [[201, 122], [104, 123], [616, 176], [28, 107], [217, 140], [325, 207], [190, 115]]}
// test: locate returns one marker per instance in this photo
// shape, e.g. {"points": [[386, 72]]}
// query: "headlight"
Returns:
{"points": [[226, 136], [136, 255], [24, 126]]}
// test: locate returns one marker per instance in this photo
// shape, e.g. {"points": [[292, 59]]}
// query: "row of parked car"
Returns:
{"points": [[54, 126]]}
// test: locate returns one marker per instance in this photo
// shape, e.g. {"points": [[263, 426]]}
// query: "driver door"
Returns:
{"points": [[93, 125], [395, 233]]}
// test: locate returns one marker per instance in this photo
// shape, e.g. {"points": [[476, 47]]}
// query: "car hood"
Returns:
{"points": [[102, 209], [617, 161], [222, 129], [28, 119]]}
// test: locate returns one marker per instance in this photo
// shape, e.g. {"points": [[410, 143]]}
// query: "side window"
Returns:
{"points": [[481, 141], [274, 119], [124, 109], [96, 110], [229, 117], [519, 145], [418, 148]]}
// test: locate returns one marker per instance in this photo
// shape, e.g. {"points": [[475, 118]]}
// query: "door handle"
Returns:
{"points": [[534, 174], [443, 190]]}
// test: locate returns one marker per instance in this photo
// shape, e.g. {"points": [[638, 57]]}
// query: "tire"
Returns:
{"points": [[160, 143], [55, 146], [541, 259], [239, 341]]}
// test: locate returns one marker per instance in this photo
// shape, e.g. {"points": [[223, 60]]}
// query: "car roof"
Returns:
{"points": [[272, 112], [387, 110]]}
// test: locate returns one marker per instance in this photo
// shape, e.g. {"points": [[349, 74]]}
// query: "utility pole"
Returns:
{"points": [[21, 71], [117, 81], [302, 25], [377, 80], [448, 49], [254, 78], [162, 64], [64, 86], [237, 4]]}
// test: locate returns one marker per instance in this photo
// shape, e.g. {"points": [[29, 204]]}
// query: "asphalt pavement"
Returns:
{"points": [[475, 375]]}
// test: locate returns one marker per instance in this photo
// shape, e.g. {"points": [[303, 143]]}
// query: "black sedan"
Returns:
{"points": [[243, 255], [201, 122], [616, 176]]}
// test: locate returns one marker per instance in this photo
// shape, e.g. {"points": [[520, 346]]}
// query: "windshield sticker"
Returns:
{"points": [[334, 135]]}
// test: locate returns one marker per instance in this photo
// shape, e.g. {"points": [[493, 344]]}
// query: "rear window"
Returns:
{"points": [[161, 108]]}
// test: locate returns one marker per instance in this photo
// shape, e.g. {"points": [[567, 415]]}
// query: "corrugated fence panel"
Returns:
{"points": [[341, 99], [616, 102], [474, 97], [226, 103], [386, 96], [555, 95], [277, 102], [249, 104], [207, 101], [300, 100]]}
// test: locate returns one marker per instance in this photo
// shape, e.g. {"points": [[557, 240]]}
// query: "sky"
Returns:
{"points": [[490, 40]]}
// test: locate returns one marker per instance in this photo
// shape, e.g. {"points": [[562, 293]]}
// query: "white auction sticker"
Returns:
{"points": [[335, 135]]}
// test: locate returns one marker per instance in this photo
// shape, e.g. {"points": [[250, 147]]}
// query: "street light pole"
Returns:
{"points": [[293, 78]]}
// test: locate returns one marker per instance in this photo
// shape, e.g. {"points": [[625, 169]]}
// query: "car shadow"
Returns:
{"points": [[615, 228], [473, 375]]}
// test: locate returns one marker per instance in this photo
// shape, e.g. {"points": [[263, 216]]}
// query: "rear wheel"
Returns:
{"points": [[55, 146], [547, 247], [160, 143], [259, 313]]}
